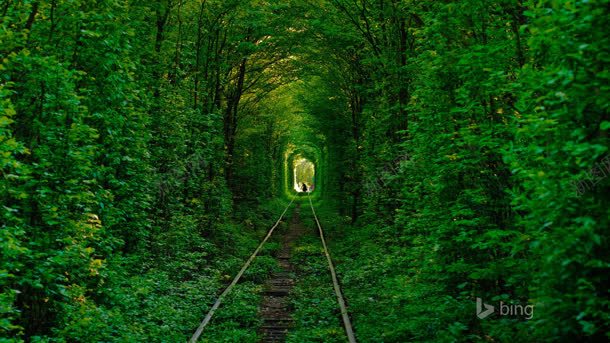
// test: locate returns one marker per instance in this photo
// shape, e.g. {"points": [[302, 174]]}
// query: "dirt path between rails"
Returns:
{"points": [[276, 310]]}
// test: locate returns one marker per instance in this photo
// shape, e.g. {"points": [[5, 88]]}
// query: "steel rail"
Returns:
{"points": [[208, 317], [347, 324]]}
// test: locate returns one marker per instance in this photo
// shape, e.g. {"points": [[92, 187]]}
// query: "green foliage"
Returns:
{"points": [[562, 146], [315, 305], [113, 169], [461, 151], [483, 171]]}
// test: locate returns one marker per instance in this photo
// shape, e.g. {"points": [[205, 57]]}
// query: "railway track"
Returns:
{"points": [[275, 310]]}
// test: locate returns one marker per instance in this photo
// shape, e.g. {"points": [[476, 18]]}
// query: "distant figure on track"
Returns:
{"points": [[304, 187]]}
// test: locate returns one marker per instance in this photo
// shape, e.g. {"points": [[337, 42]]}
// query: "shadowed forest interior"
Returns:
{"points": [[452, 150]]}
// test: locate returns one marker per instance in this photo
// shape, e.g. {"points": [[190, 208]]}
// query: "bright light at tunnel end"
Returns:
{"points": [[303, 175]]}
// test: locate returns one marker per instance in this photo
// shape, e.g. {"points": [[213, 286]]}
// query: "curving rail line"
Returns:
{"points": [[340, 300]]}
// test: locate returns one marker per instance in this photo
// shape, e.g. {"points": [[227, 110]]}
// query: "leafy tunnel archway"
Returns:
{"points": [[304, 172], [304, 154], [462, 146]]}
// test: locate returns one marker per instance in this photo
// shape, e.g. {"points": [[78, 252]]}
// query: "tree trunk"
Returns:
{"points": [[230, 124]]}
